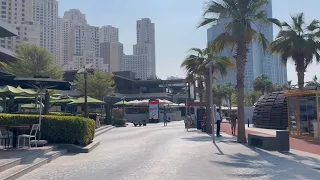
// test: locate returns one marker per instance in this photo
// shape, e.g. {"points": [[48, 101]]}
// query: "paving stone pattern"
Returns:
{"points": [[155, 152]]}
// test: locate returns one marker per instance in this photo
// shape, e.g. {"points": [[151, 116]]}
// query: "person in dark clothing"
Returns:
{"points": [[165, 119], [218, 121]]}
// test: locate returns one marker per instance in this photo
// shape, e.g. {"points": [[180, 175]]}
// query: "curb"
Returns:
{"points": [[78, 149], [103, 131]]}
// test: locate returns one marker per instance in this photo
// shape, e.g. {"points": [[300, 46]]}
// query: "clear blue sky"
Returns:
{"points": [[175, 22]]}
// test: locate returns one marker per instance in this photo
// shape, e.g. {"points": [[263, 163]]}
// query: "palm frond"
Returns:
{"points": [[207, 21]]}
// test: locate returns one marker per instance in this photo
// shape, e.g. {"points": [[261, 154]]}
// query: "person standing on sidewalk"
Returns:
{"points": [[218, 121], [165, 119], [233, 119]]}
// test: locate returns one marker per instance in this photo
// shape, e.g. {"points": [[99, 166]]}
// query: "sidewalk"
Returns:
{"points": [[240, 161], [296, 144]]}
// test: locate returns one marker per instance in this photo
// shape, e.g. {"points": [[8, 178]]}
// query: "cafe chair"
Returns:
{"points": [[5, 137], [29, 137]]}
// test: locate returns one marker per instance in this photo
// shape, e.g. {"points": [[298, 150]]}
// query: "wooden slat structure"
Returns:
{"points": [[304, 120], [271, 111]]}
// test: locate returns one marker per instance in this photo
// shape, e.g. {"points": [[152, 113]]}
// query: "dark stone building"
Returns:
{"points": [[131, 89]]}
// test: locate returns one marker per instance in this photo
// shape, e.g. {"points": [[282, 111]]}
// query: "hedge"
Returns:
{"points": [[59, 114], [56, 129]]}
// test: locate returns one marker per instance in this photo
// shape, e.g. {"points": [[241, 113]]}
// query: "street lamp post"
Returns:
{"points": [[85, 94], [85, 75], [212, 108]]}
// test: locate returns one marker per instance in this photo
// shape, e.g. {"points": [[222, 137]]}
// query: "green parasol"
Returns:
{"points": [[120, 103], [90, 101]]}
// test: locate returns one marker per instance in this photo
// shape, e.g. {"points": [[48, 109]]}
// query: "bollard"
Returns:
{"points": [[248, 122]]}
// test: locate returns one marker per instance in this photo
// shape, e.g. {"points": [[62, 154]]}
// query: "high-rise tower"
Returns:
{"points": [[258, 62], [143, 60]]}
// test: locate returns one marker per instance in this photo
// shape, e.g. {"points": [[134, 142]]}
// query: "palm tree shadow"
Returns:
{"points": [[272, 166], [198, 138]]}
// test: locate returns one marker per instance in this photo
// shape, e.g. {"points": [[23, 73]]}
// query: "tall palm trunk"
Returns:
{"points": [[220, 105], [300, 72], [230, 106], [208, 119], [240, 57], [201, 90]]}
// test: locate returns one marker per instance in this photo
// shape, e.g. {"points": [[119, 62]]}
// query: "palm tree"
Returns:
{"points": [[252, 97], [245, 17], [219, 95], [230, 90], [314, 81], [194, 79], [288, 86], [262, 84], [300, 42], [196, 63]]}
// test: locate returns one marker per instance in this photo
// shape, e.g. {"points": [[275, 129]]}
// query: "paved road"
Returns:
{"points": [[170, 153]]}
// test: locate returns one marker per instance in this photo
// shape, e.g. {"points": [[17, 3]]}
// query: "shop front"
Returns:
{"points": [[304, 114]]}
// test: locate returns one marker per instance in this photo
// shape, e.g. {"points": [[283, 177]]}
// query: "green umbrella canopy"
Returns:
{"points": [[121, 103], [61, 101], [90, 100], [28, 91], [29, 106], [20, 98], [12, 91]]}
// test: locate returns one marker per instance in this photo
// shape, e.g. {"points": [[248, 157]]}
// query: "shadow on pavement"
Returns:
{"points": [[198, 138], [220, 152], [226, 140], [302, 158], [272, 166], [193, 130]]}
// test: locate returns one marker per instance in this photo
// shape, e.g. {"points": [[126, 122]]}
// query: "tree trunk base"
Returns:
{"points": [[242, 141]]}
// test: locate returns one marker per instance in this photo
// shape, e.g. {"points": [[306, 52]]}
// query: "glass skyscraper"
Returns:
{"points": [[258, 61]]}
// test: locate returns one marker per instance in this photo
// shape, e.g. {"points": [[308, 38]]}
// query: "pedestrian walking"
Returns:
{"points": [[187, 122], [233, 119], [218, 122], [165, 119]]}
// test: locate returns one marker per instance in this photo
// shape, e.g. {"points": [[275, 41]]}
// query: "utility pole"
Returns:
{"points": [[211, 109], [85, 94]]}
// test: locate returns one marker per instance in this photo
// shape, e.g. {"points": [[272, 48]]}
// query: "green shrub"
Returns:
{"points": [[56, 129], [60, 114]]}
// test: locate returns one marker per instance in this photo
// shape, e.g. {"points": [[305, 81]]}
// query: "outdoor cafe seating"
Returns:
{"points": [[32, 135], [5, 137], [10, 136]]}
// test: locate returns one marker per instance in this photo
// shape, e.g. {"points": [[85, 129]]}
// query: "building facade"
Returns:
{"points": [[258, 62], [109, 34], [79, 61], [112, 54], [80, 41], [70, 19], [111, 50], [6, 31], [45, 12], [143, 60], [19, 14]]}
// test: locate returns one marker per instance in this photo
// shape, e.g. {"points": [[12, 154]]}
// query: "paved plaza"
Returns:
{"points": [[155, 152]]}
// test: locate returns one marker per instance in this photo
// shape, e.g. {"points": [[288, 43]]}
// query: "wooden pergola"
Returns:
{"points": [[304, 113]]}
